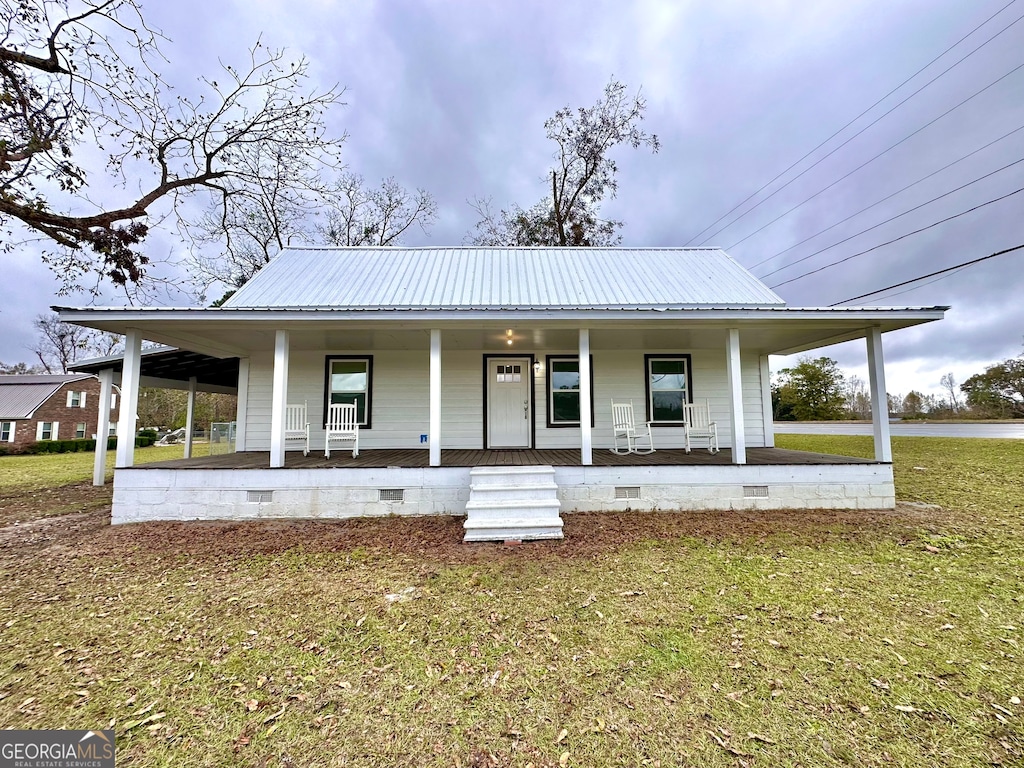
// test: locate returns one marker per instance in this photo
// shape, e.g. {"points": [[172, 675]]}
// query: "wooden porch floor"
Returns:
{"points": [[416, 458]]}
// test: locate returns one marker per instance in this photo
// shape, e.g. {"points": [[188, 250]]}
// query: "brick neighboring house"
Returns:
{"points": [[47, 407]]}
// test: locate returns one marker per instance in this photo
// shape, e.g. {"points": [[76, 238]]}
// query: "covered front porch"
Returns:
{"points": [[414, 459], [402, 482]]}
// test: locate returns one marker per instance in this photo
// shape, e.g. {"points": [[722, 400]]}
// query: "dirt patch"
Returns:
{"points": [[22, 505], [437, 538]]}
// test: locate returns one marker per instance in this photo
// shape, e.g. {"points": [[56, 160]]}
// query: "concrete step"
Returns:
{"points": [[512, 504], [511, 475], [500, 492]]}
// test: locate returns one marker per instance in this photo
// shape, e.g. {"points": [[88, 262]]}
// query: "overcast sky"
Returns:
{"points": [[452, 96]]}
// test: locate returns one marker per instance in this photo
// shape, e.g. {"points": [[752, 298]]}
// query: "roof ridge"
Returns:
{"points": [[571, 249]]}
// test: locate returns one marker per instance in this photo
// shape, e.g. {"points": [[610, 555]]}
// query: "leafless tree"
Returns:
{"points": [[858, 398], [89, 75], [358, 215], [949, 384], [241, 237], [59, 345], [583, 177]]}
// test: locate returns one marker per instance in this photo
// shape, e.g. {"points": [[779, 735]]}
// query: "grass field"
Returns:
{"points": [[715, 639], [51, 470]]}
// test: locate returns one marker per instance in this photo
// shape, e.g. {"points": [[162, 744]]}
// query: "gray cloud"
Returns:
{"points": [[451, 96]]}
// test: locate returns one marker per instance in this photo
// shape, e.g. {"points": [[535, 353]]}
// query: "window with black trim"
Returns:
{"points": [[350, 380], [668, 387], [563, 383]]}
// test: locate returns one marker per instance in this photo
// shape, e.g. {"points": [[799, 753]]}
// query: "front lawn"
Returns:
{"points": [[813, 639]]}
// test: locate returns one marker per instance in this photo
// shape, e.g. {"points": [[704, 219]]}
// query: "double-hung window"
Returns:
{"points": [[564, 391], [350, 380], [80, 430], [668, 387], [76, 399], [46, 430], [6, 431]]}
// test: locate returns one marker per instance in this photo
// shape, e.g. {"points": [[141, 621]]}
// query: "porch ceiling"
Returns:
{"points": [[239, 333]]}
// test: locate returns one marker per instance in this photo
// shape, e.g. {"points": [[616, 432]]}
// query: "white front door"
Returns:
{"points": [[509, 404]]}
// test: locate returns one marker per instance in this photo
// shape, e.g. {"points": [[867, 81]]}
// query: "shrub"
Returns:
{"points": [[150, 433]]}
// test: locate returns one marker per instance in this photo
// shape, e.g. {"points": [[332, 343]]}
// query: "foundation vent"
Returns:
{"points": [[755, 491], [391, 494], [259, 497], [627, 492]]}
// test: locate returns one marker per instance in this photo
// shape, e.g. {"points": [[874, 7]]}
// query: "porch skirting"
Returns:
{"points": [[145, 494]]}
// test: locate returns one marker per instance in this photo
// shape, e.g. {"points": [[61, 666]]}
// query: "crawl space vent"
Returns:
{"points": [[391, 494], [259, 497], [755, 491], [627, 492]]}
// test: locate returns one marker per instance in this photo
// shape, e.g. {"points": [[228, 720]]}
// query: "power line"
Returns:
{"points": [[880, 154], [887, 197], [897, 239], [862, 130], [932, 274], [851, 122], [893, 218], [924, 285]]}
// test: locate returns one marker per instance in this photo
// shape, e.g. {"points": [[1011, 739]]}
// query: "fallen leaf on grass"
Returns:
{"points": [[563, 759], [946, 626], [252, 705], [933, 550], [726, 746], [907, 708], [145, 721], [276, 715], [879, 683], [561, 735], [758, 737]]}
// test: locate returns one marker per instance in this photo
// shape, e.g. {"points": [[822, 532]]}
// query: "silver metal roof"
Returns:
{"points": [[20, 396], [503, 278]]}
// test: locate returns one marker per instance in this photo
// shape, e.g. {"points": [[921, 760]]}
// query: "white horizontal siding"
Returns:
{"points": [[400, 397]]}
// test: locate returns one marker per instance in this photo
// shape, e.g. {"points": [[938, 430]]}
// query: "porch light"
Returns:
{"points": [[536, 367], [508, 333]]}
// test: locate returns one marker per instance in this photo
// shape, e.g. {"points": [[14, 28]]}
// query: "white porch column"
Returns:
{"points": [[434, 427], [128, 415], [768, 415], [242, 403], [190, 411], [739, 441], [279, 399], [879, 398], [586, 445], [99, 467]]}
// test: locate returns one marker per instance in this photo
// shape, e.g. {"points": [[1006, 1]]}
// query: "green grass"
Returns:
{"points": [[51, 470], [824, 643]]}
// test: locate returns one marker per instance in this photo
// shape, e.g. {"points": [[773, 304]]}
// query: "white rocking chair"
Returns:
{"points": [[342, 426], [625, 428], [698, 424], [296, 427]]}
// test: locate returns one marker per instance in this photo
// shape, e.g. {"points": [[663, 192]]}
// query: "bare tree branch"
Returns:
{"points": [[69, 77]]}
